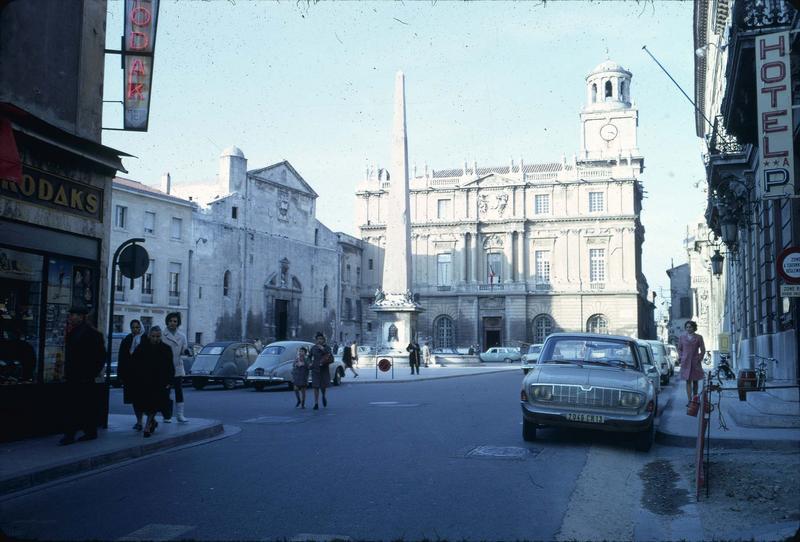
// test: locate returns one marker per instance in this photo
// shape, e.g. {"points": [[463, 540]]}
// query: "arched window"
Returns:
{"points": [[597, 323], [443, 329], [622, 92], [594, 92], [542, 327], [325, 297], [392, 334], [226, 283], [609, 90]]}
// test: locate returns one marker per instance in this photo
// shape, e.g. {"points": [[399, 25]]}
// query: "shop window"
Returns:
{"points": [[119, 323], [120, 217], [20, 314]]}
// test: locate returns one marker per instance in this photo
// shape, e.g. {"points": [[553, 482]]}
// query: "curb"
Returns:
{"points": [[684, 441], [421, 379], [35, 478]]}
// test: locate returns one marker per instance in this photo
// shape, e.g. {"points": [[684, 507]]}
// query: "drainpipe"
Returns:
{"points": [[189, 296]]}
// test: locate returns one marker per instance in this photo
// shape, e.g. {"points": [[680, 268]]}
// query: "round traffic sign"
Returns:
{"points": [[134, 261], [384, 365], [789, 265]]}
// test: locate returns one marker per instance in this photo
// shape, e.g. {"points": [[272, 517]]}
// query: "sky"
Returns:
{"points": [[312, 83]]}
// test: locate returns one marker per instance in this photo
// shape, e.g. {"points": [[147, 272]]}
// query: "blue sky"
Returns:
{"points": [[313, 83]]}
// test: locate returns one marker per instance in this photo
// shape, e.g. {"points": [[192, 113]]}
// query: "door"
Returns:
{"points": [[492, 337], [281, 319]]}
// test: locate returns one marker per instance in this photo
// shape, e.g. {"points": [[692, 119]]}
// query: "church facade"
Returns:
{"points": [[507, 255]]}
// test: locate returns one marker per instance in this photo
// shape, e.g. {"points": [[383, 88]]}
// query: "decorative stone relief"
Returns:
{"points": [[493, 240], [283, 205]]}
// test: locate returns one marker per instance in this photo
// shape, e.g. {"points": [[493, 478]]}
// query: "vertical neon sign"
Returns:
{"points": [[141, 19]]}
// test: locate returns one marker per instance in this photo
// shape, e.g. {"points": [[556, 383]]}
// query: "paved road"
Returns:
{"points": [[385, 461]]}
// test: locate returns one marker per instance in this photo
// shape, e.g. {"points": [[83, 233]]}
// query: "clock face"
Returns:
{"points": [[608, 131]]}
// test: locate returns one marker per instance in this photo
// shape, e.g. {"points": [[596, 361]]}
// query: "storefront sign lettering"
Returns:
{"points": [[54, 191], [774, 98], [141, 18]]}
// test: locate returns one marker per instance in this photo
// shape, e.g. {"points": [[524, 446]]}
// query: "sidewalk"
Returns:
{"points": [[402, 372], [32, 462], [763, 421]]}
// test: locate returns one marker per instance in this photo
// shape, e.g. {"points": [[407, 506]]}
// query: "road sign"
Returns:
{"points": [[384, 365], [790, 290], [134, 261], [789, 265]]}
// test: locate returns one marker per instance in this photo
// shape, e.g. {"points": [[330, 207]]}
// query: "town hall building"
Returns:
{"points": [[507, 255]]}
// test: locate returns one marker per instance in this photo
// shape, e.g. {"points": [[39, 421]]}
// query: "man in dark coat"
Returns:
{"points": [[84, 356], [413, 356], [127, 372]]}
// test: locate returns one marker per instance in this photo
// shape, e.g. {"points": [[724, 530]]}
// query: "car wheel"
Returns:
{"points": [[229, 383], [644, 440], [528, 430], [337, 377], [199, 383], [259, 386]]}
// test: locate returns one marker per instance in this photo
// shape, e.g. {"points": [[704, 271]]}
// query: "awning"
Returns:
{"points": [[10, 162]]}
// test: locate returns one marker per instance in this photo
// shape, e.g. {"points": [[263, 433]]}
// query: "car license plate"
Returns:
{"points": [[588, 418]]}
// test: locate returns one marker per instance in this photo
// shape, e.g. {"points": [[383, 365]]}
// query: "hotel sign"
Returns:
{"points": [[775, 176], [141, 19], [56, 192]]}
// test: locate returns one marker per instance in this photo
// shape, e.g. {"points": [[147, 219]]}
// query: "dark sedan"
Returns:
{"points": [[224, 362]]}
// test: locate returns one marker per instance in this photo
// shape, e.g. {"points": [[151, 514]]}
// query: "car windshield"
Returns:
{"points": [[212, 350], [273, 350], [534, 349], [583, 350]]}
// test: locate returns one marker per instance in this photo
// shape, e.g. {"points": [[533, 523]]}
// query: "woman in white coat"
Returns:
{"points": [[177, 342]]}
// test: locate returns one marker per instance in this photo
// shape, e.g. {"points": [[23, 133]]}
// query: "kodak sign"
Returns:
{"points": [[141, 18]]}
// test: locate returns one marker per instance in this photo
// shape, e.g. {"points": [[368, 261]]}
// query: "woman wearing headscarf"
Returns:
{"points": [[125, 370], [154, 374], [321, 358]]}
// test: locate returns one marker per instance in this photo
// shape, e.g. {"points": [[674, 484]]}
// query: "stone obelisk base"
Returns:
{"points": [[404, 318]]}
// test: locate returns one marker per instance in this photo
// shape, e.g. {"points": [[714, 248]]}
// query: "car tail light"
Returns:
{"points": [[523, 396]]}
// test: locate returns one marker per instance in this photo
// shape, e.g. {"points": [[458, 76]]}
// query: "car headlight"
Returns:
{"points": [[542, 393], [630, 400]]}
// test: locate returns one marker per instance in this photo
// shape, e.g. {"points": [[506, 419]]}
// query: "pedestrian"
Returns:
{"points": [[321, 359], [426, 355], [691, 350], [413, 356], [176, 340], [347, 359], [126, 372], [300, 376], [354, 353], [154, 372], [84, 357]]}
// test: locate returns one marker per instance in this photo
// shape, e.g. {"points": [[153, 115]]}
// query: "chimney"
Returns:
{"points": [[166, 183]]}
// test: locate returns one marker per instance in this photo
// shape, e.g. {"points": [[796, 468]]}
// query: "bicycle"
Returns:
{"points": [[761, 371]]}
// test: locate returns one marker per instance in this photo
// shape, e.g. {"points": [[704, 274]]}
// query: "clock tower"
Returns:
{"points": [[608, 121]]}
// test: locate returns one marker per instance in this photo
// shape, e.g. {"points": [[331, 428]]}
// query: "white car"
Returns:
{"points": [[501, 353], [531, 357], [662, 359], [673, 355]]}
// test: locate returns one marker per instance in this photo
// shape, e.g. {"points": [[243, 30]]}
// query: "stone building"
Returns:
{"points": [[164, 221], [680, 309], [509, 254], [263, 267], [750, 142]]}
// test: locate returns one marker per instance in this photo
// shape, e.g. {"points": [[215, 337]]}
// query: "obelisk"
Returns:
{"points": [[394, 302]]}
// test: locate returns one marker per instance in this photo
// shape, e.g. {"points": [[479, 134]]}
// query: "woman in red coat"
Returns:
{"points": [[691, 350]]}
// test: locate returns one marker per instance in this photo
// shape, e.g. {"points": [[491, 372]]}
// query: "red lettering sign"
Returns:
{"points": [[769, 122], [773, 92], [775, 78], [140, 16], [764, 48], [135, 91], [772, 154]]}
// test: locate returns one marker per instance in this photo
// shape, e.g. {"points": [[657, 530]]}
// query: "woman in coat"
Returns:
{"points": [[125, 369], [154, 375], [347, 358], [321, 359], [300, 376], [691, 350]]}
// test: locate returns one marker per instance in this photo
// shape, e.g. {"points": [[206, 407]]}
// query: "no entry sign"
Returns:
{"points": [[384, 365]]}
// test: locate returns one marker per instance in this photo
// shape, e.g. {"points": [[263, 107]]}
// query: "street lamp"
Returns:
{"points": [[729, 227], [701, 52], [716, 263]]}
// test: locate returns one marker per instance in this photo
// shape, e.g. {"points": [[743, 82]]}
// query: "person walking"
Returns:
{"points": [[321, 359], [347, 359], [426, 355], [413, 356], [154, 373], [176, 340], [300, 376], [126, 371], [354, 353], [84, 357], [691, 349]]}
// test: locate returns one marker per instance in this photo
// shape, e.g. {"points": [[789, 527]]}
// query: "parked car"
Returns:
{"points": [[274, 365], [223, 362], [673, 355], [650, 364], [501, 353], [531, 357], [590, 381], [116, 340], [662, 359]]}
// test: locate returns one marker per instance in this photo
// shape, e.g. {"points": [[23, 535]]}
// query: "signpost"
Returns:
{"points": [[138, 46], [788, 267], [384, 364]]}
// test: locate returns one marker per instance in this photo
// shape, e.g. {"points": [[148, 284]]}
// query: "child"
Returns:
{"points": [[300, 376]]}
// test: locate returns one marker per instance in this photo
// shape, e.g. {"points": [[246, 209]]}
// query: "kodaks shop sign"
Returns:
{"points": [[138, 47], [57, 192]]}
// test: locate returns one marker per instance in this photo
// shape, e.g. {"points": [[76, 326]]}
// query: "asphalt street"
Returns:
{"points": [[431, 459]]}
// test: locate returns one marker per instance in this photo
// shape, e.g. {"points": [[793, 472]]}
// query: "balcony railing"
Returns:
{"points": [[597, 285], [174, 298], [544, 286], [483, 287], [446, 288], [720, 142]]}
